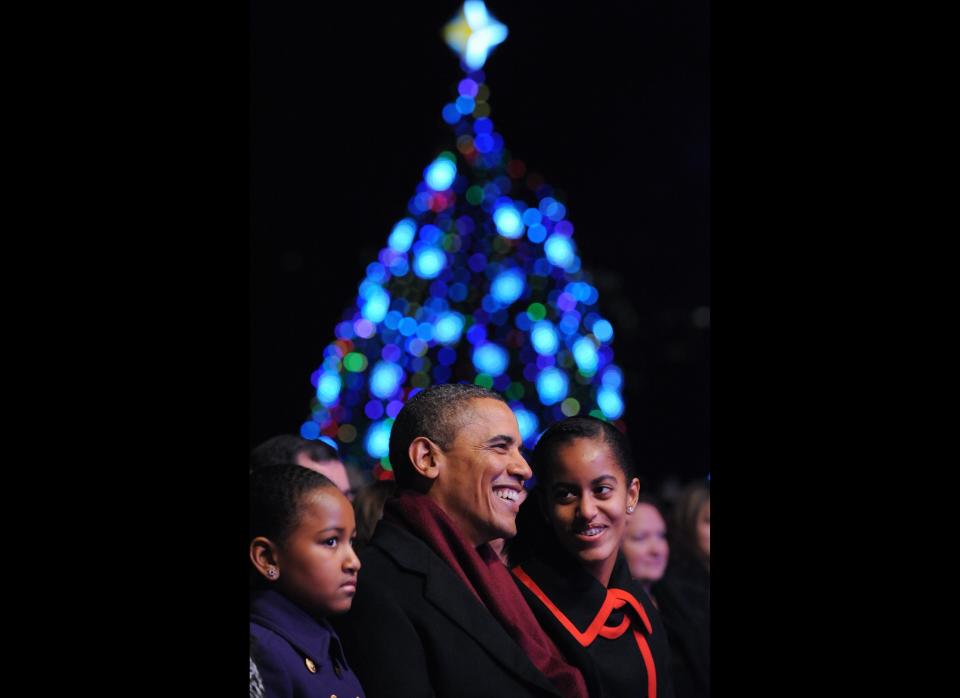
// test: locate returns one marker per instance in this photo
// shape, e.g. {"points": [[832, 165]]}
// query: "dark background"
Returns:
{"points": [[609, 102]]}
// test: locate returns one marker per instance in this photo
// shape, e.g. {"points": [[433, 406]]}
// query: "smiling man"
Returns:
{"points": [[436, 612]]}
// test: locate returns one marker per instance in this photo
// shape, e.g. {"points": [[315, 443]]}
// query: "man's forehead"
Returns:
{"points": [[485, 419]]}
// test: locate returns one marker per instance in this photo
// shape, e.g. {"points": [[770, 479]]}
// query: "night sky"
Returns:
{"points": [[609, 102]]}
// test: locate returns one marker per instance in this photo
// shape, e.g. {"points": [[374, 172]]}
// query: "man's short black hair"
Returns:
{"points": [[437, 413]]}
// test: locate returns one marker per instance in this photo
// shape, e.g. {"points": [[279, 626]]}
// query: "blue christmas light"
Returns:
{"points": [[392, 320], [385, 379], [407, 327], [373, 409], [477, 334], [465, 105], [559, 250], [310, 430], [448, 328], [429, 262], [603, 330], [401, 237], [425, 331], [376, 272], [430, 234], [585, 354], [552, 386], [610, 402], [508, 221], [548, 206], [450, 114], [507, 287], [569, 323], [612, 377], [377, 304], [484, 143], [527, 422], [440, 174], [328, 388], [544, 338], [391, 352], [491, 359], [377, 442], [536, 232], [483, 125], [532, 216]]}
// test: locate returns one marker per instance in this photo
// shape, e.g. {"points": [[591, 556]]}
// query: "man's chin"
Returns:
{"points": [[505, 532]]}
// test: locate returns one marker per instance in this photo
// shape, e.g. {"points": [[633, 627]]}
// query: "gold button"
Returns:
{"points": [[311, 667]]}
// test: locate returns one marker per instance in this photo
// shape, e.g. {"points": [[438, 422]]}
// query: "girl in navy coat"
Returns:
{"points": [[571, 571], [304, 569]]}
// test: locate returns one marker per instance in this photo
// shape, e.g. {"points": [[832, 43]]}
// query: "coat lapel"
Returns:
{"points": [[444, 590]]}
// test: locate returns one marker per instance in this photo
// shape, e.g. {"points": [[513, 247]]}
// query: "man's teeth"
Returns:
{"points": [[507, 493]]}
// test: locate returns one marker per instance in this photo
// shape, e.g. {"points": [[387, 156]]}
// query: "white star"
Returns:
{"points": [[473, 33]]}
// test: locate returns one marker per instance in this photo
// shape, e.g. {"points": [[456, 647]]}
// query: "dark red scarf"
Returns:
{"points": [[486, 576]]}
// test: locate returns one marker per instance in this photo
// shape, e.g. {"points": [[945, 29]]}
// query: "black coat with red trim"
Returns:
{"points": [[416, 631], [613, 667]]}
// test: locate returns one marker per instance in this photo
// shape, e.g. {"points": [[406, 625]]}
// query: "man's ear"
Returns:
{"points": [[423, 455]]}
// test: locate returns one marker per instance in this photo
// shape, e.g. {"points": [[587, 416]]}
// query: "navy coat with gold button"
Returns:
{"points": [[298, 656]]}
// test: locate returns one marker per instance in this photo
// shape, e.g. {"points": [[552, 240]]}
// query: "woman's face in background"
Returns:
{"points": [[645, 544]]}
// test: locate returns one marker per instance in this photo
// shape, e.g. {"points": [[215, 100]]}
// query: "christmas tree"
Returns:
{"points": [[479, 281]]}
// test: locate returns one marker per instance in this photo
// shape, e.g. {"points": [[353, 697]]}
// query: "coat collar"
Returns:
{"points": [[576, 592], [444, 590], [312, 637]]}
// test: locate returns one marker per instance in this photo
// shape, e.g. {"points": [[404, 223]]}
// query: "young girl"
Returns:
{"points": [[575, 580], [304, 569]]}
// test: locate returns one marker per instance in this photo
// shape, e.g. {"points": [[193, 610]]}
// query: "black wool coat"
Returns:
{"points": [[415, 630]]}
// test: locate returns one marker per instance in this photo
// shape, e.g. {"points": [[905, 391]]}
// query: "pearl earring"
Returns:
{"points": [[272, 572]]}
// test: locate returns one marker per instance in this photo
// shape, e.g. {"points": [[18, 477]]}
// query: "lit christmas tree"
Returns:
{"points": [[479, 282]]}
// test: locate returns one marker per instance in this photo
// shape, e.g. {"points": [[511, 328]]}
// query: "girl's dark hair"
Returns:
{"points": [[275, 495], [568, 430]]}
